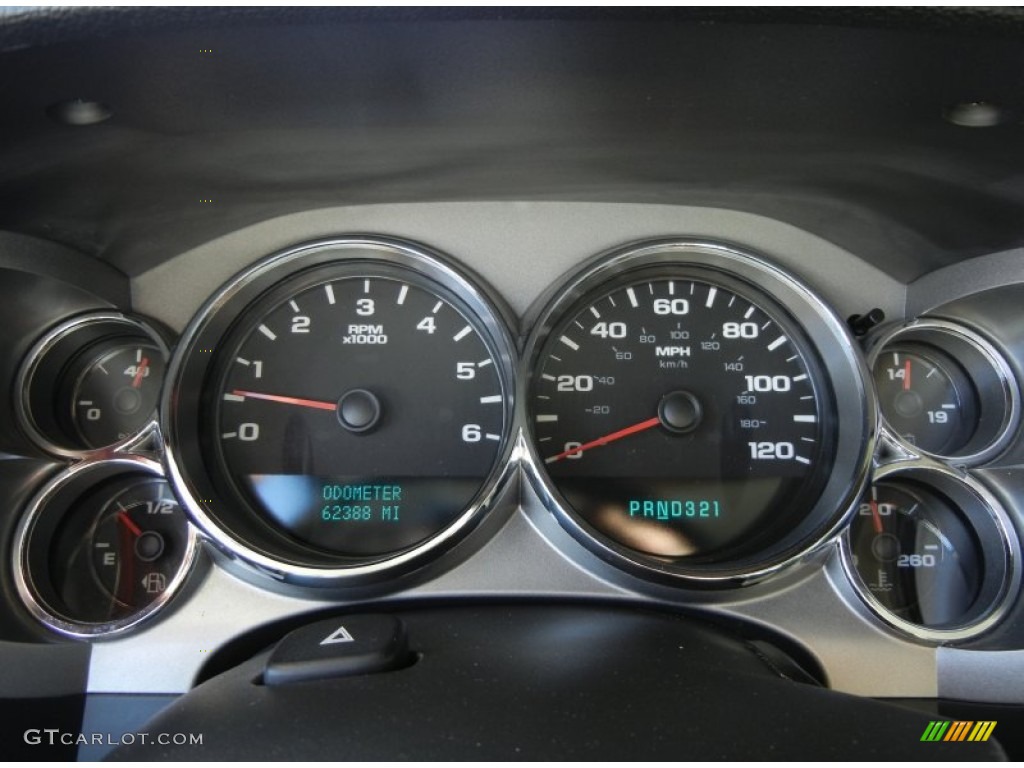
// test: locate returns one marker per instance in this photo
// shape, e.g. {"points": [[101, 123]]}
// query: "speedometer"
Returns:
{"points": [[685, 411]]}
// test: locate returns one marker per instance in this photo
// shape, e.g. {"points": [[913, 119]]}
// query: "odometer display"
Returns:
{"points": [[361, 414], [340, 412], [683, 415]]}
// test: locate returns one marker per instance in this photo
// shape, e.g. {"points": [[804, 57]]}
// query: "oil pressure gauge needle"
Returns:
{"points": [[320, 404], [140, 373]]}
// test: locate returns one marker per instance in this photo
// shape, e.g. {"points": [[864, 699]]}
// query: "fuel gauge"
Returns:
{"points": [[103, 546]]}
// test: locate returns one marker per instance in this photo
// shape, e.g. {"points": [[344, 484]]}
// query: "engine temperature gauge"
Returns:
{"points": [[915, 555], [929, 550]]}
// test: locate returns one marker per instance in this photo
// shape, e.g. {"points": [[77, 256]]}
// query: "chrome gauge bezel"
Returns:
{"points": [[990, 523], [51, 343], [273, 555], [841, 364], [980, 359], [56, 497]]}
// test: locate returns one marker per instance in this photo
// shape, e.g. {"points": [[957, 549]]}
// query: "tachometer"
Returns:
{"points": [[354, 412], [684, 408]]}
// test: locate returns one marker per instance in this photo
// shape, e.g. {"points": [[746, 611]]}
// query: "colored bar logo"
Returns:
{"points": [[958, 730]]}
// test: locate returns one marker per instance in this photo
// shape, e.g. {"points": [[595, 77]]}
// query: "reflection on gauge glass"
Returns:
{"points": [[92, 383], [945, 391], [102, 547], [356, 409], [685, 414], [931, 552], [916, 555]]}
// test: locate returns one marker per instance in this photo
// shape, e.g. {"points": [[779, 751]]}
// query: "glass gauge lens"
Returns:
{"points": [[116, 392], [915, 555], [926, 397], [360, 415], [683, 417], [100, 557]]}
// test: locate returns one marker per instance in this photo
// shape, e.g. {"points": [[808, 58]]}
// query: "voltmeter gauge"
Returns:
{"points": [[945, 391]]}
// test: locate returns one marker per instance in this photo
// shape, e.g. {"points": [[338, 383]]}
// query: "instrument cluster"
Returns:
{"points": [[347, 411]]}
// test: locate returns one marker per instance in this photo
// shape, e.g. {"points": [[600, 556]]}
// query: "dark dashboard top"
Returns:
{"points": [[222, 118]]}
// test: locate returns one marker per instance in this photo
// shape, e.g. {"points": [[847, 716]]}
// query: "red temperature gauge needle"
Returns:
{"points": [[906, 376], [321, 404], [875, 517], [607, 439], [140, 372]]}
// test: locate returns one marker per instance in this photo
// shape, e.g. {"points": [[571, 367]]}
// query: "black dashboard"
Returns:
{"points": [[631, 362]]}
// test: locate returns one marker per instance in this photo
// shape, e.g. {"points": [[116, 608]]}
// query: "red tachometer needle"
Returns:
{"points": [[140, 372], [128, 523], [607, 439], [877, 518], [906, 376], [321, 404]]}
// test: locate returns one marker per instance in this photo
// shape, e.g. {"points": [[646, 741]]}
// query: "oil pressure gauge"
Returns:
{"points": [[92, 383]]}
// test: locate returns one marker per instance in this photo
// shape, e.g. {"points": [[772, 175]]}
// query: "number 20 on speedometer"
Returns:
{"points": [[683, 414]]}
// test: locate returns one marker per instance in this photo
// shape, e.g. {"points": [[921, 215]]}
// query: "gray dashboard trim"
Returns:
{"points": [[520, 248]]}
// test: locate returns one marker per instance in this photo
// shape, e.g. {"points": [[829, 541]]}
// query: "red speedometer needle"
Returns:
{"points": [[906, 376], [321, 404], [140, 372], [607, 439], [128, 523]]}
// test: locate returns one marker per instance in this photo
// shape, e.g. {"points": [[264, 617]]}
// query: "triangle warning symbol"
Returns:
{"points": [[340, 635]]}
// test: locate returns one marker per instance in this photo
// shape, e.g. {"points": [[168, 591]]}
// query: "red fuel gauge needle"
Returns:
{"points": [[321, 404], [140, 372], [607, 439], [128, 523], [906, 376]]}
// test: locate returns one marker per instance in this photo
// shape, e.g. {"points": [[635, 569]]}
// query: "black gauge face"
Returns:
{"points": [[926, 398], [684, 418], [360, 415], [118, 550], [116, 392], [915, 555]]}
